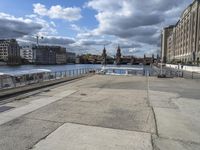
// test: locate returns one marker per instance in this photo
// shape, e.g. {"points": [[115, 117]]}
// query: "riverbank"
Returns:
{"points": [[106, 112]]}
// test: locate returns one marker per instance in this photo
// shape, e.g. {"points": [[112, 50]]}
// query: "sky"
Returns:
{"points": [[86, 26]]}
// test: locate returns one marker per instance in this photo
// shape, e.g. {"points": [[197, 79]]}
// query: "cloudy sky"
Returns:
{"points": [[84, 26]]}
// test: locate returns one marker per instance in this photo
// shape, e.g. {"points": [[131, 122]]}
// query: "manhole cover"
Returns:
{"points": [[5, 108]]}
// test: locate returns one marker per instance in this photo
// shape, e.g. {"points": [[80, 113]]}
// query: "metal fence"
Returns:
{"points": [[172, 73], [28, 79]]}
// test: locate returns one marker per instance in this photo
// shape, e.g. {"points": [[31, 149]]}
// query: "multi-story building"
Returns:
{"points": [[71, 57], [61, 57], [166, 32], [10, 52], [183, 43], [170, 48], [49, 55], [44, 55], [27, 53]]}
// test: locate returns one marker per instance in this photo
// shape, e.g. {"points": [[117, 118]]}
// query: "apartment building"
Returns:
{"points": [[26, 52], [10, 52]]}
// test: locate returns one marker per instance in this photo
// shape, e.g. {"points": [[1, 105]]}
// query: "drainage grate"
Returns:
{"points": [[5, 108]]}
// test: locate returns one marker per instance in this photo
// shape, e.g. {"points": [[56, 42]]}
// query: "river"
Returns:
{"points": [[53, 68]]}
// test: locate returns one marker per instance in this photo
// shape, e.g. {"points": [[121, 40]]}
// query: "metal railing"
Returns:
{"points": [[172, 72], [23, 80]]}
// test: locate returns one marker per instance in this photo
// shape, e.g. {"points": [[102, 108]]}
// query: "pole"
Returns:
{"points": [[161, 68]]}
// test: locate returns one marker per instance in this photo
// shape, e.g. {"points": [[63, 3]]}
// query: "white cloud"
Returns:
{"points": [[13, 27], [58, 12], [49, 40], [135, 21]]}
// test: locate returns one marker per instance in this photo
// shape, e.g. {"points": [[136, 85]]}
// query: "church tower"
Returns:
{"points": [[104, 57], [118, 56]]}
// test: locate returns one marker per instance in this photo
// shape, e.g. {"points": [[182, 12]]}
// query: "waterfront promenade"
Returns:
{"points": [[105, 113]]}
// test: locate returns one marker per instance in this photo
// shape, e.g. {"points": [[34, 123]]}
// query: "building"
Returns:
{"points": [[49, 55], [71, 57], [166, 32], [118, 56], [170, 48], [44, 55], [10, 52], [183, 42], [26, 52], [61, 55], [104, 57]]}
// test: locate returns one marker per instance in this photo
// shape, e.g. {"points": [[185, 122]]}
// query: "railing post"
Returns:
{"points": [[1, 82], [192, 75], [14, 82]]}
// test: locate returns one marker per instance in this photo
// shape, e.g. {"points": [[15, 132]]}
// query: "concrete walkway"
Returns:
{"points": [[106, 113]]}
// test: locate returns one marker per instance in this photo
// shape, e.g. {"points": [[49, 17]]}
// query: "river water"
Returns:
{"points": [[56, 68], [53, 68]]}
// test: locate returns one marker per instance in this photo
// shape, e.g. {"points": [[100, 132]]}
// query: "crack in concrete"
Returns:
{"points": [[154, 115]]}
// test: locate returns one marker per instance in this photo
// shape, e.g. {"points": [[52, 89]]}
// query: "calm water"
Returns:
{"points": [[53, 68]]}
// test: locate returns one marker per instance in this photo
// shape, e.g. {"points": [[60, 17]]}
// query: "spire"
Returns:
{"points": [[104, 55], [104, 49], [118, 56]]}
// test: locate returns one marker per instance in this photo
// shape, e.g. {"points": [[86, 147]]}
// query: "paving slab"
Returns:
{"points": [[33, 105], [173, 123], [80, 137], [23, 133], [177, 111], [110, 108], [167, 144]]}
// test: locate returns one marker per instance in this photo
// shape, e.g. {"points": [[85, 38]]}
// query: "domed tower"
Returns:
{"points": [[118, 56], [104, 56]]}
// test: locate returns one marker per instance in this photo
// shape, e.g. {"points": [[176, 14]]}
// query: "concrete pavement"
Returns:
{"points": [[106, 112]]}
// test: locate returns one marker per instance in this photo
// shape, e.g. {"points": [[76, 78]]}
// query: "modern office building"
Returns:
{"points": [[183, 42], [10, 52]]}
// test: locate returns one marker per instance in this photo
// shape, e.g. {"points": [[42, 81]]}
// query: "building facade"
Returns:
{"points": [[49, 55], [183, 43], [44, 55], [61, 57], [166, 32], [10, 52], [27, 53], [71, 57]]}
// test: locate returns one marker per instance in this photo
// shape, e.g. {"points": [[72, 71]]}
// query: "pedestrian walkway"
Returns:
{"points": [[106, 112]]}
